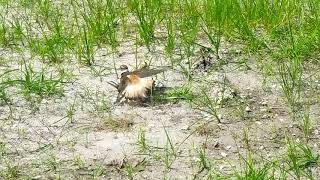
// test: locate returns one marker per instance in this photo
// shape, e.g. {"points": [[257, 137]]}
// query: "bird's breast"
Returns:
{"points": [[133, 79]]}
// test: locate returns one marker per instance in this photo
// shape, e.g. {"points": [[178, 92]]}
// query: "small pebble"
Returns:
{"points": [[263, 110], [221, 167], [269, 155], [159, 83], [216, 144], [248, 109], [195, 159], [44, 101], [185, 127], [223, 154], [151, 125], [264, 102], [228, 147]]}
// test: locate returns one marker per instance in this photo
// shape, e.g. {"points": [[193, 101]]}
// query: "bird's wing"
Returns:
{"points": [[142, 73], [121, 88]]}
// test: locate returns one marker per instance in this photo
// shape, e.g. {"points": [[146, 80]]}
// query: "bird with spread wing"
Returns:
{"points": [[135, 85]]}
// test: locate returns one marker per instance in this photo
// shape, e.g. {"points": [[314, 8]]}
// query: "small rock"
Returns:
{"points": [[269, 155], [145, 176], [37, 177], [316, 132], [222, 167], [263, 109], [248, 109], [223, 154], [258, 122], [264, 103], [44, 101], [195, 159], [185, 127], [281, 120], [242, 96], [228, 147], [216, 144], [158, 83], [261, 147]]}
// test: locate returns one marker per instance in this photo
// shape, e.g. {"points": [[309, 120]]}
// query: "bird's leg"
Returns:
{"points": [[143, 101], [119, 97]]}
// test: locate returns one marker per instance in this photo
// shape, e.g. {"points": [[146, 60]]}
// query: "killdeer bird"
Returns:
{"points": [[135, 85]]}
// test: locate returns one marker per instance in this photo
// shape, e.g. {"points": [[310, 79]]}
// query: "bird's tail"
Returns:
{"points": [[115, 85]]}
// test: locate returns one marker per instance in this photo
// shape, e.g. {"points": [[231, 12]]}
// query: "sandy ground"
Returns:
{"points": [[44, 143]]}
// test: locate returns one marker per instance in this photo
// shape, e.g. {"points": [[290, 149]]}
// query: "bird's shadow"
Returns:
{"points": [[156, 96], [165, 95]]}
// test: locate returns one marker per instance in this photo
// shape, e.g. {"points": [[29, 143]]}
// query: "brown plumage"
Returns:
{"points": [[135, 84]]}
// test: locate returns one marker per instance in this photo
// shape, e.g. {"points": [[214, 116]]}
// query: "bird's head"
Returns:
{"points": [[124, 69]]}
